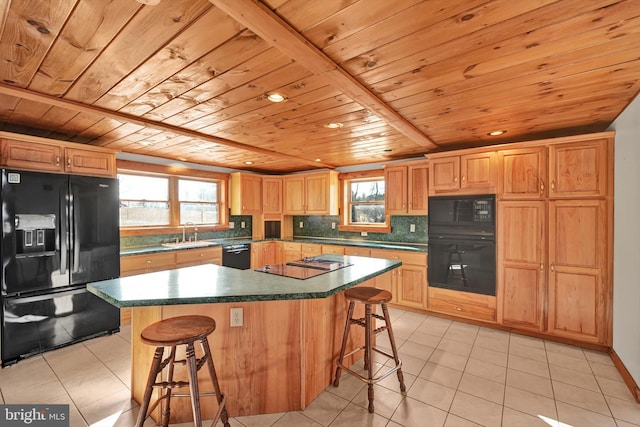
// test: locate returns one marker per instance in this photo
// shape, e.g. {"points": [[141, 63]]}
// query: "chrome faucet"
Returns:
{"points": [[184, 231]]}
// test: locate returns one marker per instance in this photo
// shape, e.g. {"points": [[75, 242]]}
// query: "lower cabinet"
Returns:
{"points": [[408, 284], [187, 258], [265, 253]]}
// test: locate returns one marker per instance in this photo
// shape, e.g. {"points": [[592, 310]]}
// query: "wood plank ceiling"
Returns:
{"points": [[188, 79]]}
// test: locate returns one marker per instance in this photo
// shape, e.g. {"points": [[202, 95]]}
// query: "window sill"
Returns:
{"points": [[367, 228], [168, 229]]}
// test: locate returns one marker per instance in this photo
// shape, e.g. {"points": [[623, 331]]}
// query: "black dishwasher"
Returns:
{"points": [[237, 256]]}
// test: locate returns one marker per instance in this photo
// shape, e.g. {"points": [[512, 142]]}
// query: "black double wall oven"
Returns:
{"points": [[59, 232], [462, 245]]}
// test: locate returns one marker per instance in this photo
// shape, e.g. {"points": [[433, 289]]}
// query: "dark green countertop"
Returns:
{"points": [[339, 242], [215, 284]]}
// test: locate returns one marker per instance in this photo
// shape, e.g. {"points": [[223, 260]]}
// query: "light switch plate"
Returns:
{"points": [[412, 228], [364, 233], [301, 224], [242, 224], [231, 224]]}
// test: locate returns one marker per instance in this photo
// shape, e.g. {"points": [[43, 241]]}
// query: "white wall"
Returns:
{"points": [[626, 266]]}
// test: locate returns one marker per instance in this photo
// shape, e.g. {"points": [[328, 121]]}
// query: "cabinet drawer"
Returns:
{"points": [[333, 249], [310, 249], [463, 304], [290, 246], [202, 256], [415, 258], [352, 250], [135, 264]]}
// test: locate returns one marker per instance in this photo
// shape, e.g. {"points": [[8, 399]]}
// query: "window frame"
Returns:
{"points": [[174, 174], [345, 202]]}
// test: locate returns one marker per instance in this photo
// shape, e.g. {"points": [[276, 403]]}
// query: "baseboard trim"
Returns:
{"points": [[626, 376]]}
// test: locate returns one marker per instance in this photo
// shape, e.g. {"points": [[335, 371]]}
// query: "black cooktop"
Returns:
{"points": [[303, 268]]}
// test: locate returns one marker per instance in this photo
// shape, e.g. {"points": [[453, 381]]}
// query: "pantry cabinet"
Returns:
{"points": [[521, 271], [579, 296], [57, 157]]}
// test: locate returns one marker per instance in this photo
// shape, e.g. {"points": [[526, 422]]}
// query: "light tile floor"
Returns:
{"points": [[456, 374]]}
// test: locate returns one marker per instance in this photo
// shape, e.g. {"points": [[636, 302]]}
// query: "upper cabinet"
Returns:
{"points": [[56, 157], [272, 197], [406, 188], [473, 173], [522, 173], [311, 194], [578, 169], [246, 194]]}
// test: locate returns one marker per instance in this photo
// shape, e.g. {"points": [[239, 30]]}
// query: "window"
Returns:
{"points": [[162, 200], [144, 200], [363, 202], [366, 202], [198, 202]]}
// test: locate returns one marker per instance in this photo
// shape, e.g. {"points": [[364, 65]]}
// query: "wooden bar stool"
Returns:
{"points": [[181, 330], [369, 296]]}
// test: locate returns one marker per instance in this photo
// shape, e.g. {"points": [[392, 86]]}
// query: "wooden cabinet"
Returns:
{"points": [[408, 283], [57, 158], [578, 169], [271, 197], [311, 194], [187, 258], [246, 193], [578, 263], [332, 249], [146, 263], [521, 274], [522, 173], [462, 304], [473, 173], [406, 189], [265, 253], [357, 251]]}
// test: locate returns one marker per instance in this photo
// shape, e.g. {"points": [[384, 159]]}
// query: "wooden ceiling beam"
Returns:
{"points": [[164, 127], [257, 17]]}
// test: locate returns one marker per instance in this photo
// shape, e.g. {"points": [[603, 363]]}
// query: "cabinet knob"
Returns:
{"points": [[148, 261], [69, 161], [552, 268], [459, 308], [463, 178], [541, 186], [201, 255], [553, 186], [57, 160], [541, 267], [455, 179]]}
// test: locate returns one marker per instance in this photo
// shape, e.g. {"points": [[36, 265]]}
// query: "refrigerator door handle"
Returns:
{"points": [[75, 213], [43, 297], [62, 218]]}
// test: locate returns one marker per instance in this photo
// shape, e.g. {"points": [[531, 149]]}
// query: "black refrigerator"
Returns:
{"points": [[59, 232]]}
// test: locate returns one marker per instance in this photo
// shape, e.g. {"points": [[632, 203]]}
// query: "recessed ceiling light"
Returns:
{"points": [[497, 133], [276, 97], [335, 125], [248, 163]]}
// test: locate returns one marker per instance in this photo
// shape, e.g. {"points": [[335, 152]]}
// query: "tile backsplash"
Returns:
{"points": [[321, 226], [237, 232]]}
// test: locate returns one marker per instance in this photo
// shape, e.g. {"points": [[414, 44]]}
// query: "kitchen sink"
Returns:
{"points": [[178, 245]]}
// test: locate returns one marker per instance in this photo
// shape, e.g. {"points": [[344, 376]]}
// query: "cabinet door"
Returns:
{"points": [[251, 194], [578, 169], [294, 195], [395, 179], [272, 195], [478, 170], [317, 194], [257, 255], [444, 174], [189, 257], [417, 189], [146, 263], [32, 156], [522, 173], [388, 282], [85, 162], [271, 253], [578, 294], [412, 286], [521, 265]]}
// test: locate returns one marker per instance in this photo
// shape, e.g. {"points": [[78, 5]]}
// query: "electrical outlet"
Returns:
{"points": [[333, 225], [231, 224], [242, 224], [412, 228], [364, 233], [236, 317], [301, 224]]}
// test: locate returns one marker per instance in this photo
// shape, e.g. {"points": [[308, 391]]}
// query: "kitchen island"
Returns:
{"points": [[284, 353]]}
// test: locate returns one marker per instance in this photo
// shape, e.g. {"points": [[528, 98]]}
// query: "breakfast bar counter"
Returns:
{"points": [[279, 359]]}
